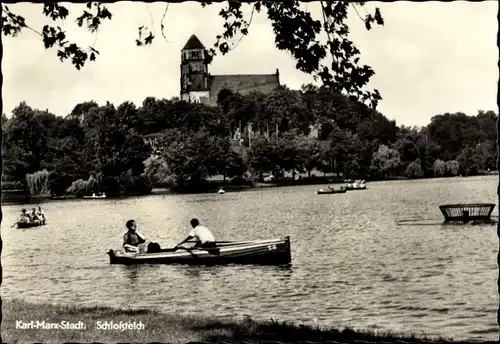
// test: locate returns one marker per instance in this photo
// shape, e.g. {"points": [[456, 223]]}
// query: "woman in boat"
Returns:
{"points": [[204, 238], [132, 239], [33, 216], [40, 214], [24, 217]]}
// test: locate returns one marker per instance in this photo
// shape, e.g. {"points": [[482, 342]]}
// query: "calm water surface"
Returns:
{"points": [[352, 265]]}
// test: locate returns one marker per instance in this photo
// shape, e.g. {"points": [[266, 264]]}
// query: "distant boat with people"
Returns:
{"points": [[35, 218], [30, 224], [331, 190], [356, 185], [94, 196]]}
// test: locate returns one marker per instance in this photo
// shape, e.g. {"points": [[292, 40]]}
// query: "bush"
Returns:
{"points": [[439, 168], [246, 179], [38, 182], [14, 185], [452, 168], [135, 184], [414, 169], [59, 182], [81, 187]]}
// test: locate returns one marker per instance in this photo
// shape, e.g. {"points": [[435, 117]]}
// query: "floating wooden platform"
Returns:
{"points": [[465, 213], [454, 214]]}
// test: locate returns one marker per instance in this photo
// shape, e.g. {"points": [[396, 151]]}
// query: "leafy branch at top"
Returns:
{"points": [[54, 36], [298, 33], [295, 31]]}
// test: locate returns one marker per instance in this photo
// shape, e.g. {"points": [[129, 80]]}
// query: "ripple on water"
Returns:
{"points": [[352, 266]]}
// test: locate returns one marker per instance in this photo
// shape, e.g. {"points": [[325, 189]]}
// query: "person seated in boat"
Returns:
{"points": [[204, 238], [33, 216], [24, 217], [40, 214], [132, 239]]}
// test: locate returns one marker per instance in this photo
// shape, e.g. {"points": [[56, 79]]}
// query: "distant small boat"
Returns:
{"points": [[221, 191], [356, 185], [351, 188], [30, 224], [330, 191], [94, 196]]}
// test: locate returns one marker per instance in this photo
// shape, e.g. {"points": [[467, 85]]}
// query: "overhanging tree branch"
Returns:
{"points": [[295, 31]]}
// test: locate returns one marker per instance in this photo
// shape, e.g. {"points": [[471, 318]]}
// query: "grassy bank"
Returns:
{"points": [[165, 328]]}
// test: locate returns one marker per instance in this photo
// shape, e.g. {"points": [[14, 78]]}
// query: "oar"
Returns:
{"points": [[187, 249], [213, 250]]}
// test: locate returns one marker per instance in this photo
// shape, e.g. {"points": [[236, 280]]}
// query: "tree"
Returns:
{"points": [[486, 153], [284, 108], [4, 120], [117, 151], [353, 163], [470, 162], [27, 137], [385, 161], [261, 156], [439, 168], [452, 168], [82, 111], [414, 170], [309, 150], [191, 157], [156, 169], [295, 31]]}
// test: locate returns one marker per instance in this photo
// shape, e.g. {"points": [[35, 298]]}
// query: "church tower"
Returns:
{"points": [[194, 71]]}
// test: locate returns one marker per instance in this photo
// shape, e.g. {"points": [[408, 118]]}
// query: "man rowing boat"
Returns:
{"points": [[204, 238], [132, 239]]}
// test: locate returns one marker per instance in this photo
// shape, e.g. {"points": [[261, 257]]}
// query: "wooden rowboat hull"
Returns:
{"points": [[264, 252], [29, 224], [353, 189], [325, 192]]}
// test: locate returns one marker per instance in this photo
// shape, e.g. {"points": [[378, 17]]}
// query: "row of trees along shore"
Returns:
{"points": [[118, 150]]}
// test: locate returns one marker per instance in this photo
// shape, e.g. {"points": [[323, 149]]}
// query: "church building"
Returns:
{"points": [[198, 85]]}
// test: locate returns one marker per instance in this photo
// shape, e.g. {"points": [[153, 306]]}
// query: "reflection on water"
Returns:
{"points": [[351, 264]]}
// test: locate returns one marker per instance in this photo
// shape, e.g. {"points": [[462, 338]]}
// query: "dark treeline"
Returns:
{"points": [[128, 150]]}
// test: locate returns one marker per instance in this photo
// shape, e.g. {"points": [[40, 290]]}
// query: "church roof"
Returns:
{"points": [[242, 84], [193, 43]]}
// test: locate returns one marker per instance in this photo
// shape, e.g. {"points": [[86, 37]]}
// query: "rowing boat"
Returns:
{"points": [[356, 185], [30, 224], [261, 252], [94, 196], [352, 188], [330, 191]]}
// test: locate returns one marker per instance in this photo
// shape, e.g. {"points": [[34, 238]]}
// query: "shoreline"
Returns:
{"points": [[21, 196], [154, 326]]}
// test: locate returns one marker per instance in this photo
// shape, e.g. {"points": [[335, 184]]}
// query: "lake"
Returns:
{"points": [[351, 264]]}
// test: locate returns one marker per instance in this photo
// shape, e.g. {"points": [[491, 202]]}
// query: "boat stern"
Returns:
{"points": [[112, 257], [288, 248]]}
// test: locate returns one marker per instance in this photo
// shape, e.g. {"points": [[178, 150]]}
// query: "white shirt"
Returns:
{"points": [[202, 233]]}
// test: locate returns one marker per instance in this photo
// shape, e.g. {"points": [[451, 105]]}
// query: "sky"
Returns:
{"points": [[429, 58]]}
